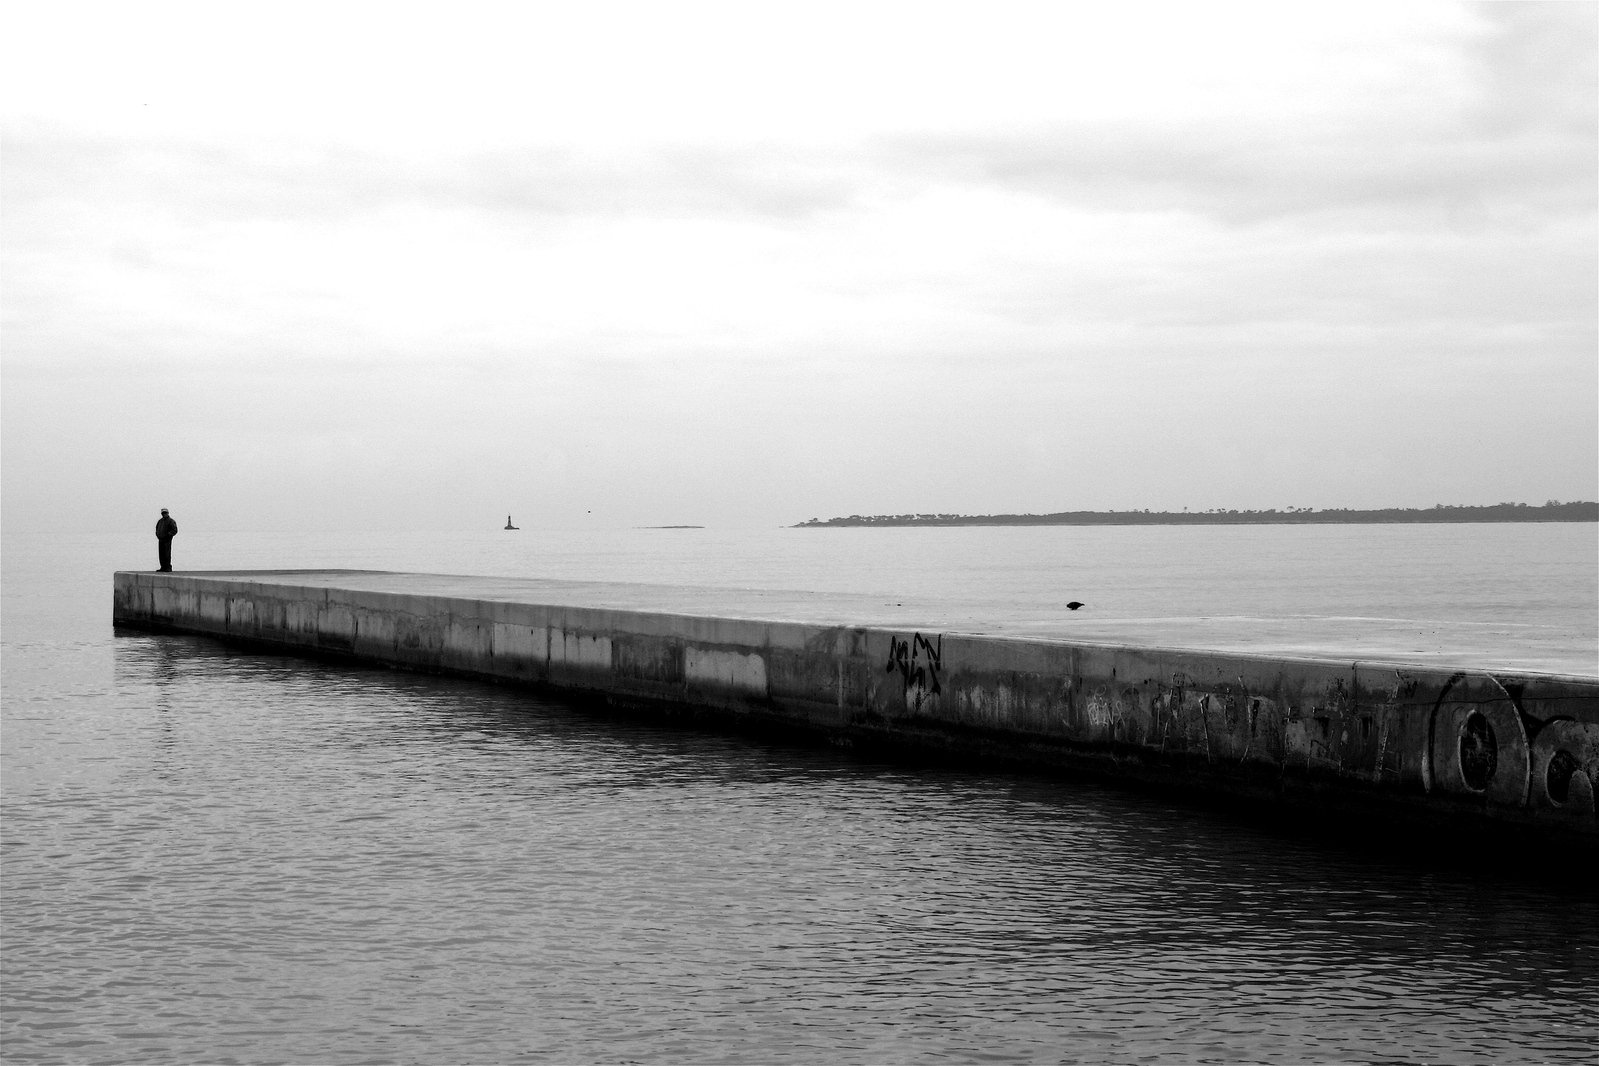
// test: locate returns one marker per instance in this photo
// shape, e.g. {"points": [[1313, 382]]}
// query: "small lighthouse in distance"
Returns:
{"points": [[508, 524]]}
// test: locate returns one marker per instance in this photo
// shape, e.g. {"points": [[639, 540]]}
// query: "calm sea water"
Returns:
{"points": [[208, 856]]}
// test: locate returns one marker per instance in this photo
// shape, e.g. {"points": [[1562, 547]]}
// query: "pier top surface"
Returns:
{"points": [[810, 608], [1394, 641]]}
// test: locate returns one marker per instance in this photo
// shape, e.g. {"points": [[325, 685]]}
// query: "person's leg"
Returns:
{"points": [[166, 553]]}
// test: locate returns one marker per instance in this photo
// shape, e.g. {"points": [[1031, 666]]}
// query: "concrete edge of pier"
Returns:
{"points": [[1323, 739]]}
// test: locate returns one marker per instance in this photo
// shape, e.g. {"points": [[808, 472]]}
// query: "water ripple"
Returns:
{"points": [[219, 857]]}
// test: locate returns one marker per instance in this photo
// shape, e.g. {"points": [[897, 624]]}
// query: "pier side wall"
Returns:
{"points": [[1333, 736]]}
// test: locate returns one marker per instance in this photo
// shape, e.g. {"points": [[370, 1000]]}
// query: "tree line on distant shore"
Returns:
{"points": [[1552, 511]]}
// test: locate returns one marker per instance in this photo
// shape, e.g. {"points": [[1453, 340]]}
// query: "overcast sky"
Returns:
{"points": [[420, 265]]}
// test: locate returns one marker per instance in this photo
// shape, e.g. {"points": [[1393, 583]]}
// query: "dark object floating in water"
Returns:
{"points": [[1072, 606], [508, 524]]}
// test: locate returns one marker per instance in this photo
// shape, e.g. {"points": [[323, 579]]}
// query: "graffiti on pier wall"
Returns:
{"points": [[918, 661], [1486, 743], [1500, 740]]}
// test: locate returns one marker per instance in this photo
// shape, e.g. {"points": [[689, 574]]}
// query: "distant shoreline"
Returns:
{"points": [[1501, 512]]}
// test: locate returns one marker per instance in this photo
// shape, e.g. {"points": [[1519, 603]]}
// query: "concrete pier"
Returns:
{"points": [[1327, 739]]}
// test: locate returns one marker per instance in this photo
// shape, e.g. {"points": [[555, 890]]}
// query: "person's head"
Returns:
{"points": [[163, 510]]}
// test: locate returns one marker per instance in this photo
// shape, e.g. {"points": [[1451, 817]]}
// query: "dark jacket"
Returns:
{"points": [[166, 529]]}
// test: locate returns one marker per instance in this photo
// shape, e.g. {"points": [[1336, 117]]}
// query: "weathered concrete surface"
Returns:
{"points": [[1340, 738]]}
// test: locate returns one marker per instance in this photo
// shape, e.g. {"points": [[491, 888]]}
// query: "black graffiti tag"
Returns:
{"points": [[918, 661]]}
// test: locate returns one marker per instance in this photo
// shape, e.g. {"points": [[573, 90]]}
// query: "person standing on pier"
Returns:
{"points": [[165, 530]]}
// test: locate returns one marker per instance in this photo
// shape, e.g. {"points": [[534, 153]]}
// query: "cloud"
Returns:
{"points": [[926, 264], [1372, 177], [1538, 63], [1496, 124]]}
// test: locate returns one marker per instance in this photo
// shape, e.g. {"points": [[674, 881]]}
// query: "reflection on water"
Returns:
{"points": [[208, 856], [225, 857]]}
